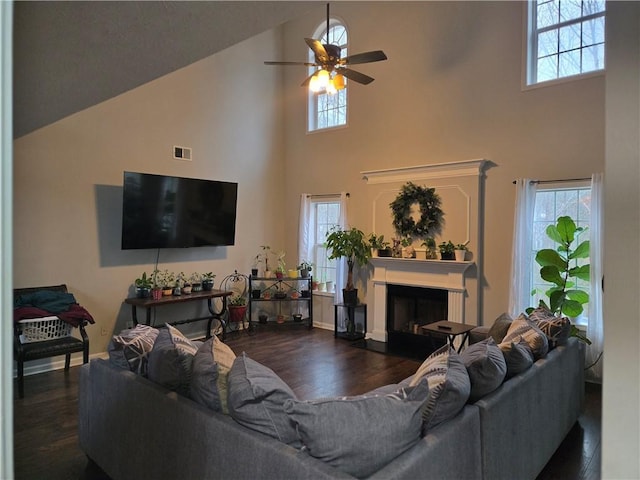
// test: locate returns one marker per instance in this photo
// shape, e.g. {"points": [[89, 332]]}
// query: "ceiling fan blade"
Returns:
{"points": [[366, 57], [318, 49], [355, 76], [306, 64]]}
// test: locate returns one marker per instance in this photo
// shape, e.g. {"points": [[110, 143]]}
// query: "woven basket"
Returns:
{"points": [[45, 328]]}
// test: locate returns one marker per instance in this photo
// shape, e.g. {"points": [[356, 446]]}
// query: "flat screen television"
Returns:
{"points": [[159, 211]]}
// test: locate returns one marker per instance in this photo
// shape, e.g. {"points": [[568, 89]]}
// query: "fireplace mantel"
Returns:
{"points": [[441, 274]]}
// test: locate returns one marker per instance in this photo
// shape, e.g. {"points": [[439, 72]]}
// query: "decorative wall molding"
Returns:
{"points": [[464, 168]]}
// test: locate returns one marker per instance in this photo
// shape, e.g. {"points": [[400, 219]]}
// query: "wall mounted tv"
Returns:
{"points": [[159, 211]]}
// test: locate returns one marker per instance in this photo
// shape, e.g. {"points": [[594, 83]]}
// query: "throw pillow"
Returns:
{"points": [[500, 327], [517, 356], [448, 382], [130, 348], [211, 365], [256, 399], [557, 329], [523, 328], [358, 435], [486, 367], [171, 360]]}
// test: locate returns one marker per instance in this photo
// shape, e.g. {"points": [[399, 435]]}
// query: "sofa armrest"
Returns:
{"points": [[478, 334]]}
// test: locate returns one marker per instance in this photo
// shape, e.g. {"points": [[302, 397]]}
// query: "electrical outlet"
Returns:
{"points": [[103, 332], [182, 153]]}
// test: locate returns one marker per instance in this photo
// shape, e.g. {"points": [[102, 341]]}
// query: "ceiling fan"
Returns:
{"points": [[333, 69]]}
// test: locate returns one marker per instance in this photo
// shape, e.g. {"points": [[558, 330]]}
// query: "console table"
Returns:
{"points": [[150, 303]]}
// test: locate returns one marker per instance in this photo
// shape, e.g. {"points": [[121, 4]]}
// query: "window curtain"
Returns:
{"points": [[341, 263], [595, 328], [304, 234], [520, 290]]}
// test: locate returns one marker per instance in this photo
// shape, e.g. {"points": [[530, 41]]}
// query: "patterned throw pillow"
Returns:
{"points": [[518, 357], [524, 329], [449, 385], [359, 435], [130, 349], [211, 365], [486, 367], [171, 360], [557, 329]]}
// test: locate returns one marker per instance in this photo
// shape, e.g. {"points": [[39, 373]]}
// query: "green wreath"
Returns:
{"points": [[431, 215]]}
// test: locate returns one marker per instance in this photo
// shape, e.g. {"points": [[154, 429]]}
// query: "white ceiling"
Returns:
{"points": [[69, 56]]}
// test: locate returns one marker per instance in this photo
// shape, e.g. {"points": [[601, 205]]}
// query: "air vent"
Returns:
{"points": [[182, 153]]}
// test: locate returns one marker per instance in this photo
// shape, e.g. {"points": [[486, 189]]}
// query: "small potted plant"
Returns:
{"points": [[184, 283], [305, 267], [237, 308], [156, 288], [282, 266], [430, 245], [196, 282], [379, 246], [207, 281], [166, 280], [447, 250], [143, 286], [407, 249], [461, 251], [263, 257]]}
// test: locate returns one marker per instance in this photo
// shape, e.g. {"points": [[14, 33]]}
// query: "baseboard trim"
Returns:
{"points": [[56, 363]]}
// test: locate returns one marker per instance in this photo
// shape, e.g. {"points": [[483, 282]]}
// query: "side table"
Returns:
{"points": [[351, 333], [451, 330]]}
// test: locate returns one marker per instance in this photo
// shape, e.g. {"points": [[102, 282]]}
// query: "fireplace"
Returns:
{"points": [[433, 286], [408, 309]]}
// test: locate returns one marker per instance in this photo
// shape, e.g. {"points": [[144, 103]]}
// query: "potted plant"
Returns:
{"points": [[282, 266], [184, 283], [263, 257], [407, 249], [143, 286], [379, 246], [305, 267], [207, 281], [165, 280], [352, 245], [430, 245], [196, 282], [461, 251], [447, 250], [237, 308]]}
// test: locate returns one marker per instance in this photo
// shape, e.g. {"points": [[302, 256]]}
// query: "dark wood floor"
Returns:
{"points": [[312, 362]]}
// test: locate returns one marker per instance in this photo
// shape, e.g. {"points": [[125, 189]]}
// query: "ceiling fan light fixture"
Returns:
{"points": [[314, 84], [323, 78], [338, 81]]}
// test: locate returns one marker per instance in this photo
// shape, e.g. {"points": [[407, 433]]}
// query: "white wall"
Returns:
{"points": [[621, 394], [68, 179], [450, 91]]}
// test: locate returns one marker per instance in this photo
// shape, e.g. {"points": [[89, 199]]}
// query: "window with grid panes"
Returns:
{"points": [[329, 110], [565, 38], [325, 215], [550, 204]]}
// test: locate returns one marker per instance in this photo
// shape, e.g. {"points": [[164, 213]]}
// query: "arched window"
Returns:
{"points": [[328, 110]]}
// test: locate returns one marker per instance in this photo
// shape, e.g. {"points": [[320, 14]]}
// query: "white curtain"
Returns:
{"points": [[520, 290], [304, 235], [595, 329], [341, 264]]}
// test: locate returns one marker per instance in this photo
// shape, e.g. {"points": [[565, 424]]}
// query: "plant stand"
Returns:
{"points": [[352, 332]]}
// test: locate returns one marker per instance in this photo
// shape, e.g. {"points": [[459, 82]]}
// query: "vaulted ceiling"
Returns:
{"points": [[71, 55]]}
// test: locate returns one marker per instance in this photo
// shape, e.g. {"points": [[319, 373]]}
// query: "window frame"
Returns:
{"points": [[312, 97], [530, 46], [317, 243]]}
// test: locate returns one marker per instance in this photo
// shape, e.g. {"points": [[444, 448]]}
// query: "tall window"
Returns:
{"points": [[551, 203], [324, 216], [565, 38], [329, 110]]}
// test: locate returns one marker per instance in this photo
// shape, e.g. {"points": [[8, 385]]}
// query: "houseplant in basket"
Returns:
{"points": [[352, 245], [237, 308]]}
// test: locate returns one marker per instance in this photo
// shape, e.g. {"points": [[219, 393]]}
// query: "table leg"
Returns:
{"points": [[134, 315]]}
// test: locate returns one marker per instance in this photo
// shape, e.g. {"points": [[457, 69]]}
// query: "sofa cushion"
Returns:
{"points": [[211, 365], [523, 328], [486, 367], [557, 329], [500, 327], [359, 435], [256, 399], [448, 382], [517, 356], [171, 359], [130, 348]]}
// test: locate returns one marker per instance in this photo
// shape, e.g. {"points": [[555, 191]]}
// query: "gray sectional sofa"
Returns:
{"points": [[133, 428]]}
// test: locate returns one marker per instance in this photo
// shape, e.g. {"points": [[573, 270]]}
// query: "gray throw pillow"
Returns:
{"points": [[500, 327], [448, 382], [486, 367], [211, 365], [358, 435], [130, 348], [256, 399], [517, 356], [524, 329], [171, 359]]}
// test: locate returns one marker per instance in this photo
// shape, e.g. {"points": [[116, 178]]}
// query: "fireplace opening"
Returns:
{"points": [[408, 309]]}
